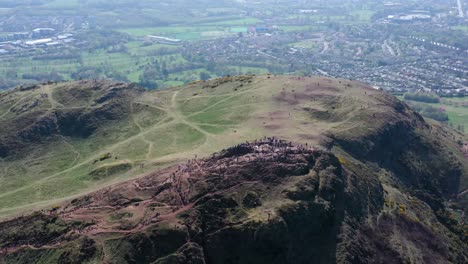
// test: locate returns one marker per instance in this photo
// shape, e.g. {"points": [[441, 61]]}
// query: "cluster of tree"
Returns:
{"points": [[116, 76], [63, 55], [152, 72], [422, 97], [162, 51], [150, 76], [42, 76], [87, 72], [119, 48], [105, 71], [435, 113], [159, 70], [456, 104], [204, 76], [428, 111], [102, 39]]}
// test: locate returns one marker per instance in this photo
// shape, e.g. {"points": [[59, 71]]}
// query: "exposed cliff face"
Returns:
{"points": [[268, 201], [254, 203], [416, 156]]}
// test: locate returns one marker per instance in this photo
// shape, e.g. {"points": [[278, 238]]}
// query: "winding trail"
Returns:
{"points": [[15, 104], [173, 116], [78, 155], [132, 117], [150, 149], [50, 96], [463, 193], [162, 123], [92, 158]]}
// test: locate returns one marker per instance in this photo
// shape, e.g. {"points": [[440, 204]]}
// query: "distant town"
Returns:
{"points": [[394, 48]]}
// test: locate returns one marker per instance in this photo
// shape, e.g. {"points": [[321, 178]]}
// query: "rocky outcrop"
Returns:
{"points": [[254, 203], [267, 201], [409, 149]]}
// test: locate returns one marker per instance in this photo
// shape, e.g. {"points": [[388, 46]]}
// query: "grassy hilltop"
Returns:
{"points": [[63, 129], [110, 163], [63, 139]]}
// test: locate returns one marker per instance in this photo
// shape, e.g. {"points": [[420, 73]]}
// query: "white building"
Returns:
{"points": [[163, 40], [38, 42]]}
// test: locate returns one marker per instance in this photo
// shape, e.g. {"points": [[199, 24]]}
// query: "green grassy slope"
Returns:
{"points": [[62, 140]]}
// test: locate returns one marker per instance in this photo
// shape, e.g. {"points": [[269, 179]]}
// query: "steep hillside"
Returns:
{"points": [[269, 201], [332, 170]]}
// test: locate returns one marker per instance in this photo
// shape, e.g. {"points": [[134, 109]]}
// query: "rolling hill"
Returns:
{"points": [[248, 169]]}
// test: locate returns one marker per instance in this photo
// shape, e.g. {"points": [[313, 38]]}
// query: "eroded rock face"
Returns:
{"points": [[254, 203], [267, 201], [408, 147], [35, 230]]}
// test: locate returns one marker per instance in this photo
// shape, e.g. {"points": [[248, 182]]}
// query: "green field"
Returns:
{"points": [[179, 32], [127, 64], [236, 22], [238, 29], [363, 15], [298, 28], [305, 44], [464, 28], [458, 114]]}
